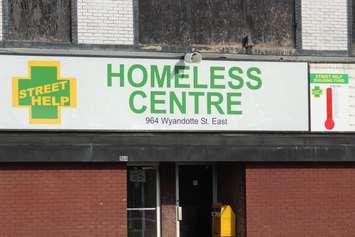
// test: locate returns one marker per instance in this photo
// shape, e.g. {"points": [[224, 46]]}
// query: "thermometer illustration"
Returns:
{"points": [[329, 123]]}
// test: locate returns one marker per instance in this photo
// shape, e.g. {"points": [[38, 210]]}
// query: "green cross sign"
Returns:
{"points": [[317, 91], [44, 93]]}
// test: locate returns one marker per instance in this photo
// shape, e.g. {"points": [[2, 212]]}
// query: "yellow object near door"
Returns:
{"points": [[227, 221], [223, 221]]}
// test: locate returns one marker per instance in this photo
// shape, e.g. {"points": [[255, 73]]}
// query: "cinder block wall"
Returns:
{"points": [[105, 22], [63, 200], [293, 201], [324, 25]]}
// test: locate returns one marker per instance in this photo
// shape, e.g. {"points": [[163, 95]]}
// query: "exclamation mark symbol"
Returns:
{"points": [[329, 123]]}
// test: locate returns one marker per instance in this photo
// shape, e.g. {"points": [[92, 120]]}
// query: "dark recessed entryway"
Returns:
{"points": [[195, 200]]}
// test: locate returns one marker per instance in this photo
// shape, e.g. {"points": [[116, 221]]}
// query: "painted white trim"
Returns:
{"points": [[177, 199], [142, 209], [158, 201]]}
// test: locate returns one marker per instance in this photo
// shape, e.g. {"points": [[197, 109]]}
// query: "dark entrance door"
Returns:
{"points": [[195, 199]]}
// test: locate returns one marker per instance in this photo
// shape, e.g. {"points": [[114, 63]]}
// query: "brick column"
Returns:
{"points": [[168, 199], [231, 191]]}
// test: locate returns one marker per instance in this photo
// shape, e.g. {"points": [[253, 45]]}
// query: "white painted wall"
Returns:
{"points": [[324, 25], [105, 22]]}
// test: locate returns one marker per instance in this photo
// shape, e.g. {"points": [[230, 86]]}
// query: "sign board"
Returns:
{"points": [[332, 89], [131, 94]]}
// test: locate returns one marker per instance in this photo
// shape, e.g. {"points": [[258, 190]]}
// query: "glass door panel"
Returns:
{"points": [[142, 202]]}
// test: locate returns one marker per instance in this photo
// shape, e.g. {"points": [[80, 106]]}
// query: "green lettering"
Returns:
{"points": [[132, 106], [251, 75], [214, 77], [233, 74], [215, 103], [140, 68], [155, 101], [111, 74], [158, 79], [231, 100], [180, 104], [196, 85], [179, 74], [196, 96]]}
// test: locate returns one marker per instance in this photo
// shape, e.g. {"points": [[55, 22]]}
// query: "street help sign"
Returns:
{"points": [[122, 94]]}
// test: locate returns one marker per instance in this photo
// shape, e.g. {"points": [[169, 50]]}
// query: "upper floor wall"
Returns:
{"points": [[325, 25], [218, 25], [267, 27], [37, 20]]}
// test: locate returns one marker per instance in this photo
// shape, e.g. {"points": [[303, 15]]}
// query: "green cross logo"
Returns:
{"points": [[44, 92], [317, 91]]}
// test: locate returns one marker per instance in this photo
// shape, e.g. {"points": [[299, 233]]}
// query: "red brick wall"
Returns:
{"points": [[300, 200], [168, 199], [63, 200]]}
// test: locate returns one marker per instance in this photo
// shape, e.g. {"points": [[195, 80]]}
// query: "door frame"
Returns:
{"points": [[152, 166], [177, 191]]}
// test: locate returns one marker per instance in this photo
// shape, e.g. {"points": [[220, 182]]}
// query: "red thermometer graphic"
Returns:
{"points": [[329, 123]]}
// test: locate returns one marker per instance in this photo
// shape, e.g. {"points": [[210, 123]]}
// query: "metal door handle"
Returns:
{"points": [[179, 213]]}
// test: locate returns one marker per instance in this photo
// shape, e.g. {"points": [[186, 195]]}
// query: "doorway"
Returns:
{"points": [[194, 200], [143, 200]]}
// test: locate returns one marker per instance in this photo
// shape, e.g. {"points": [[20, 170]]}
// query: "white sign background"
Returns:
{"points": [[343, 99], [281, 104]]}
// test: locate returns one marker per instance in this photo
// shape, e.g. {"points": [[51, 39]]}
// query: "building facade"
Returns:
{"points": [[112, 126]]}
